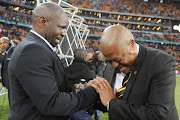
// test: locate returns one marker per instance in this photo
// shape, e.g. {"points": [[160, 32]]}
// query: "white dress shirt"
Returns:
{"points": [[53, 48], [120, 76], [119, 79]]}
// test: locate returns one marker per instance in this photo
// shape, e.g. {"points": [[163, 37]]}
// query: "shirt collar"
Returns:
{"points": [[53, 48], [8, 50], [137, 46], [137, 59]]}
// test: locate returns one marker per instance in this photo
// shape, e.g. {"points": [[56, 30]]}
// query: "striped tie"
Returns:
{"points": [[120, 91]]}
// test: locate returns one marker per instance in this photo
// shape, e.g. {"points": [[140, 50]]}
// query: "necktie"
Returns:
{"points": [[120, 91]]}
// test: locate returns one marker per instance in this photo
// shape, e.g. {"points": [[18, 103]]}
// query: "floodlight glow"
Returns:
{"points": [[176, 27]]}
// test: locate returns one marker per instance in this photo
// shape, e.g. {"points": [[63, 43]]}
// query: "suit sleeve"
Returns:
{"points": [[160, 97], [34, 70]]}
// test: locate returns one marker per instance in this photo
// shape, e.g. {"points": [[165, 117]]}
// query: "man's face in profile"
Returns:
{"points": [[56, 29], [120, 59]]}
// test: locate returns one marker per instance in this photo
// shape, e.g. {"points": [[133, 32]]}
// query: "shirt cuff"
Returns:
{"points": [[108, 105]]}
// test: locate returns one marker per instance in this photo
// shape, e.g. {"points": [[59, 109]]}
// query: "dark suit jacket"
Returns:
{"points": [[98, 67], [78, 70], [37, 84], [4, 68], [150, 91], [1, 58]]}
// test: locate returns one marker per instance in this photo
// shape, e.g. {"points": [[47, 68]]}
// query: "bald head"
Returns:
{"points": [[119, 48], [47, 10], [50, 21], [115, 35]]}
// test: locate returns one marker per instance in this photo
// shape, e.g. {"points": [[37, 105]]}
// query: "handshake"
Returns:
{"points": [[102, 87]]}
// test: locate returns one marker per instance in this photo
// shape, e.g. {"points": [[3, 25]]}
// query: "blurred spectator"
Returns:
{"points": [[78, 70], [8, 49], [98, 67], [15, 33]]}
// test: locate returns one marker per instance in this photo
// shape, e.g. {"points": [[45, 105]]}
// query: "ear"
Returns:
{"points": [[85, 58], [42, 21], [132, 43]]}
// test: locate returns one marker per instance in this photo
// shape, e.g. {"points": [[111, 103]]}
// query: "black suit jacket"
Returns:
{"points": [[1, 58], [4, 68], [37, 84], [78, 70], [150, 91]]}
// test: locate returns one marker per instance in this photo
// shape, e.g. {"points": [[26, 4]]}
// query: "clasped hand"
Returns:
{"points": [[104, 89]]}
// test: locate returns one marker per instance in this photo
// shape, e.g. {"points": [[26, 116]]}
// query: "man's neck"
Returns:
{"points": [[46, 41]]}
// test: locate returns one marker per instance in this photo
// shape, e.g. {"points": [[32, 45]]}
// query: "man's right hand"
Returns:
{"points": [[104, 89]]}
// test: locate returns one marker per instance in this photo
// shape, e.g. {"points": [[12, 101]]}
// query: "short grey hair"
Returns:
{"points": [[5, 38]]}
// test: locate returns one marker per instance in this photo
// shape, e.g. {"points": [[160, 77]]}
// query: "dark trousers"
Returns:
{"points": [[9, 96], [80, 115]]}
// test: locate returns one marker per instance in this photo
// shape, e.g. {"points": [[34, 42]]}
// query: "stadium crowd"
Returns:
{"points": [[130, 6], [23, 16], [170, 37], [17, 33], [17, 17], [93, 45], [127, 6], [23, 2]]}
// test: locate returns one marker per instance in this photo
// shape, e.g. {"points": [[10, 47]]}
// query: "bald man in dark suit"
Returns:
{"points": [[146, 92], [37, 80]]}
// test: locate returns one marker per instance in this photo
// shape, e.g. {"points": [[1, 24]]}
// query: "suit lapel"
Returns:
{"points": [[58, 64], [135, 70], [58, 59], [3, 63], [6, 58], [37, 38]]}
